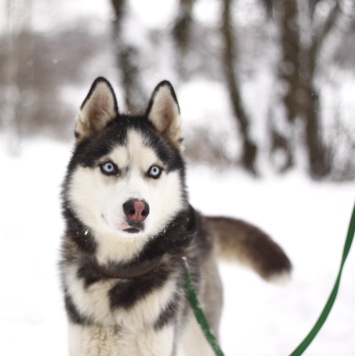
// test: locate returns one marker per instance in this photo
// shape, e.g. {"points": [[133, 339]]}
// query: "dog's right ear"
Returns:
{"points": [[98, 108]]}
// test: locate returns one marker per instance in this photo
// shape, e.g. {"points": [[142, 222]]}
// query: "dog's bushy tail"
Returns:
{"points": [[247, 244]]}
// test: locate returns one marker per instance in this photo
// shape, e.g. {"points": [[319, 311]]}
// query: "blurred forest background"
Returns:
{"points": [[284, 69]]}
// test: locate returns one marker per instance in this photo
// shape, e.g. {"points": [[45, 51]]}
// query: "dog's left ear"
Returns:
{"points": [[164, 112], [98, 108]]}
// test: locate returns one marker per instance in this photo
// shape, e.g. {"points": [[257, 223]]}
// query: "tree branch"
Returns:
{"points": [[326, 29]]}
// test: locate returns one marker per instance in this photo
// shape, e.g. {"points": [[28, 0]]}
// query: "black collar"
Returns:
{"points": [[129, 271]]}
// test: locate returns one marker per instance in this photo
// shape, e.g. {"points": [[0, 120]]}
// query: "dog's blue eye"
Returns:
{"points": [[155, 172], [108, 168]]}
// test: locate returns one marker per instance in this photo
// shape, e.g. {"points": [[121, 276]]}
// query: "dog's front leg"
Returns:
{"points": [[107, 341], [155, 342]]}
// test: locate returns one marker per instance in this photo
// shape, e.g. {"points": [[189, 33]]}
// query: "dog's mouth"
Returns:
{"points": [[128, 226], [134, 227], [132, 230]]}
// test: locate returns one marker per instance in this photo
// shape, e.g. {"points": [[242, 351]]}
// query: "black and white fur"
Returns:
{"points": [[125, 203]]}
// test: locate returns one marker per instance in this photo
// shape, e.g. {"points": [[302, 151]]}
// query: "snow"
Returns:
{"points": [[308, 219], [156, 19]]}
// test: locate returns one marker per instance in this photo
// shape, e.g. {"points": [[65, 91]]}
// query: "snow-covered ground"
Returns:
{"points": [[309, 220]]}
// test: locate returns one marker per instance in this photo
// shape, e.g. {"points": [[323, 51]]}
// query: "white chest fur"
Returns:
{"points": [[121, 331]]}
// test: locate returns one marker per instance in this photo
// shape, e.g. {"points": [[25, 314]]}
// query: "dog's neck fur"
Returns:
{"points": [[128, 271]]}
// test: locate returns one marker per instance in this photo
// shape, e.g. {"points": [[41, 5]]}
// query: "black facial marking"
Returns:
{"points": [[154, 172], [109, 168], [90, 150], [167, 153]]}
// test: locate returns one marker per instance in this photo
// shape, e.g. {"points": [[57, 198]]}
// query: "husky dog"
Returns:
{"points": [[129, 225]]}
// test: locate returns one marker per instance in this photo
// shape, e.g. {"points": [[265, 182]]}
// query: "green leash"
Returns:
{"points": [[199, 315], [328, 307], [201, 319]]}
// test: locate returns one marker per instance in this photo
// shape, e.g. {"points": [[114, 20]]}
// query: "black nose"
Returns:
{"points": [[136, 210]]}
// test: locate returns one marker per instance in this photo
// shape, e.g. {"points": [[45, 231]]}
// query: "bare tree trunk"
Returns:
{"points": [[283, 140], [25, 74], [300, 46], [10, 75], [119, 7], [128, 61], [290, 47], [181, 33], [18, 78], [317, 152], [319, 165], [249, 147], [310, 112]]}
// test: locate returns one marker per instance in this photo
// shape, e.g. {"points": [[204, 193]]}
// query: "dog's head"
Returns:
{"points": [[125, 181]]}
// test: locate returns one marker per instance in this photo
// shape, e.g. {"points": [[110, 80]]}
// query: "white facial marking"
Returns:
{"points": [[98, 199]]}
